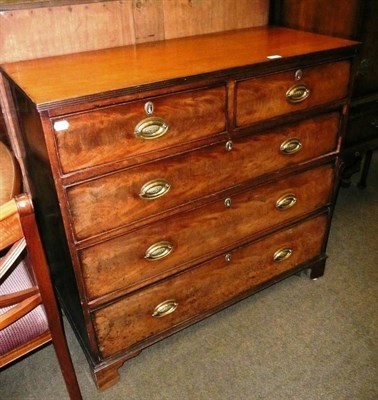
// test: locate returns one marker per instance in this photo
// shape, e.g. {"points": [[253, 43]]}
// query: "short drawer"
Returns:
{"points": [[195, 293], [157, 249], [116, 133], [156, 187], [273, 95]]}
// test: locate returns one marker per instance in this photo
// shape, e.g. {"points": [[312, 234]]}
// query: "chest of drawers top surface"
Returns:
{"points": [[77, 77]]}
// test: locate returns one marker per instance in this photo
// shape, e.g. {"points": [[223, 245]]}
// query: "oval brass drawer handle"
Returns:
{"points": [[158, 251], [151, 128], [297, 93], [165, 308], [285, 202], [282, 254], [290, 146], [154, 189]]}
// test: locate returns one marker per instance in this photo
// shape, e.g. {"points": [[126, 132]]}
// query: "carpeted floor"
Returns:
{"points": [[298, 340]]}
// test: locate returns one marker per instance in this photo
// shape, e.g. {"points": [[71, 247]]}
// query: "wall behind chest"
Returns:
{"points": [[62, 27]]}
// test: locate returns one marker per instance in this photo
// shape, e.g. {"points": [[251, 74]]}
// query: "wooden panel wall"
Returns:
{"points": [[34, 32], [330, 17]]}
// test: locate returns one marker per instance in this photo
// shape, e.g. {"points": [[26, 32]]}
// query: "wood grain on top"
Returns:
{"points": [[68, 77], [57, 27]]}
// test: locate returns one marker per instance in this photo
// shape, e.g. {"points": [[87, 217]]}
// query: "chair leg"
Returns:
{"points": [[64, 358], [365, 169], [41, 271]]}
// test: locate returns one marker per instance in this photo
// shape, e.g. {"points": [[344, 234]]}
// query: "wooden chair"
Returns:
{"points": [[29, 314]]}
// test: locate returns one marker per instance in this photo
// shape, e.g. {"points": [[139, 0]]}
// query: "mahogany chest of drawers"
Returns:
{"points": [[175, 178]]}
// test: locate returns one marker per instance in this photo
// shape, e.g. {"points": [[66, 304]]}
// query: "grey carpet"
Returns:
{"points": [[298, 340]]}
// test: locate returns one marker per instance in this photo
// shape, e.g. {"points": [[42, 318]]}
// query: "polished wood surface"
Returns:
{"points": [[108, 134], [262, 98], [189, 175], [77, 26], [230, 185], [129, 321], [58, 79], [120, 263]]}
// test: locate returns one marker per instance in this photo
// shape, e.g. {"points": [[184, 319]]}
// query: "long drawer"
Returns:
{"points": [[274, 95], [166, 305], [156, 187], [115, 133], [153, 251]]}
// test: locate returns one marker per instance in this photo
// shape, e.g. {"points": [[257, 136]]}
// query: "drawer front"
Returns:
{"points": [[196, 292], [270, 96], [162, 247], [119, 132], [156, 187]]}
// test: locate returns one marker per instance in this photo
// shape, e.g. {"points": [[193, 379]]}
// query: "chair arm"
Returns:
{"points": [[19, 310], [10, 299]]}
